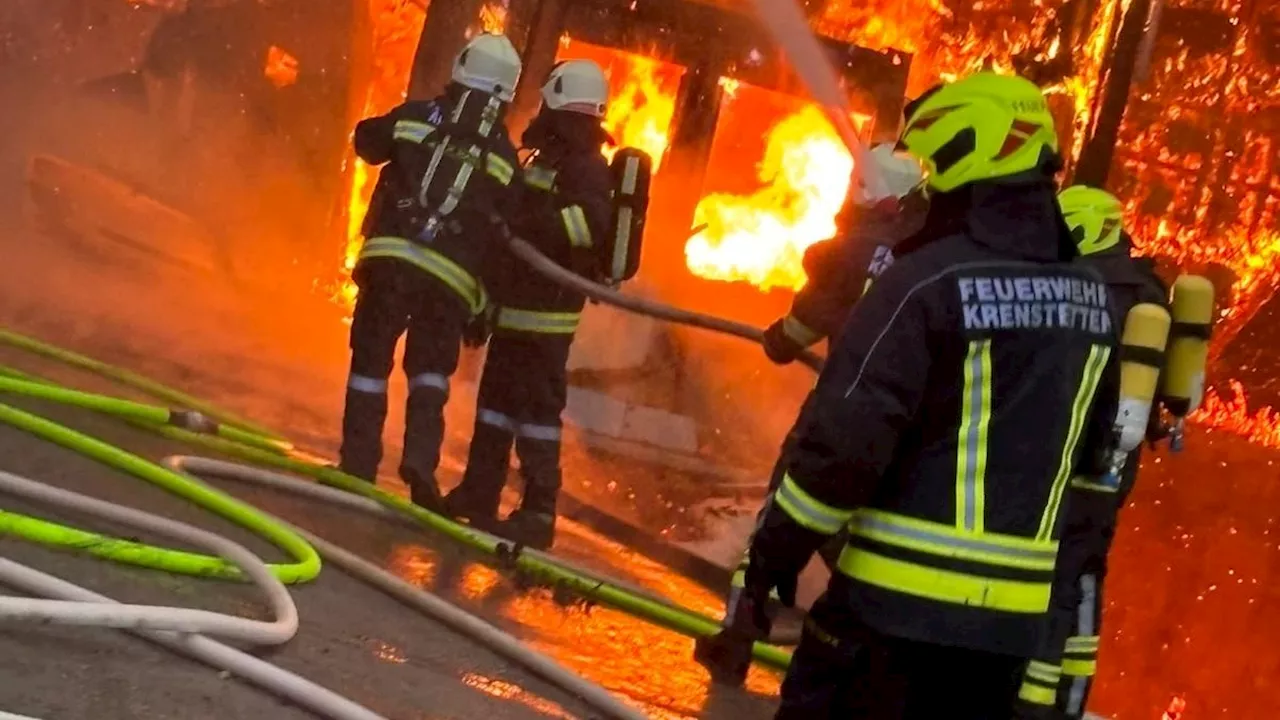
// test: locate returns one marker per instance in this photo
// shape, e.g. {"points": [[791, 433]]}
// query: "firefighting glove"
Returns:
{"points": [[478, 331], [779, 553], [779, 346]]}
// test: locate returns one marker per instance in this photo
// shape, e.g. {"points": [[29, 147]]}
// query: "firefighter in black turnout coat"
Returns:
{"points": [[564, 210], [1058, 681], [447, 164], [838, 272], [953, 411]]}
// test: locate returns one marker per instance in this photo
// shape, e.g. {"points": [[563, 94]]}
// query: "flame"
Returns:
{"points": [[761, 237], [493, 17], [281, 68], [642, 97], [396, 27]]}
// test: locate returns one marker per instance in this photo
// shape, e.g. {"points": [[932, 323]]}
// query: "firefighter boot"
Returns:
{"points": [[727, 654], [362, 421], [477, 497], [423, 434], [534, 522]]}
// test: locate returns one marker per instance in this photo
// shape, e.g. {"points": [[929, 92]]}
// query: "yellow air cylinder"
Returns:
{"points": [[1142, 354], [1183, 382]]}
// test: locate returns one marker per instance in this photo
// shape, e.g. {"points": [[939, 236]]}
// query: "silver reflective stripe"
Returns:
{"points": [[430, 174], [366, 384], [974, 543], [429, 380], [547, 433], [1086, 624], [496, 419]]}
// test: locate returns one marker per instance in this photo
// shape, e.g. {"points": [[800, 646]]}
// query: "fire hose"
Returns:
{"points": [[217, 431], [548, 268]]}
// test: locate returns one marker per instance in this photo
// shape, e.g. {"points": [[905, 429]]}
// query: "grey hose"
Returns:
{"points": [[549, 269], [149, 617], [305, 693], [467, 624]]}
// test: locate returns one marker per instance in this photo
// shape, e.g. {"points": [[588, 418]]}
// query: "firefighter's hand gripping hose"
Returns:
{"points": [[270, 451]]}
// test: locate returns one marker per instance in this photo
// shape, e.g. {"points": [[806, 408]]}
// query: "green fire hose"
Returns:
{"points": [[242, 440]]}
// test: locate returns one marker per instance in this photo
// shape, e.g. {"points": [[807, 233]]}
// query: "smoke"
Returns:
{"points": [[135, 176]]}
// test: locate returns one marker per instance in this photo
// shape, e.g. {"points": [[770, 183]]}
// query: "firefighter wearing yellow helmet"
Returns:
{"points": [[1061, 675], [943, 431], [447, 163], [564, 209]]}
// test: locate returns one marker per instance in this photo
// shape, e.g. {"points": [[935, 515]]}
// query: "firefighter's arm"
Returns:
{"points": [[1100, 439], [583, 212], [375, 137], [871, 388], [819, 305]]}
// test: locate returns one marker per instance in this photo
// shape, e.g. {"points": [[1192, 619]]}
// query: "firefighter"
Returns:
{"points": [[956, 405], [565, 212], [447, 163], [1095, 218], [839, 271]]}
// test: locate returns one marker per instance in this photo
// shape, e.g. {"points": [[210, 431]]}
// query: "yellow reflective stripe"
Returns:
{"points": [[412, 130], [1079, 668], [441, 267], [1083, 644], [808, 511], [541, 178], [947, 542], [1093, 368], [575, 223], [946, 586], [1037, 694], [1083, 483], [551, 323], [802, 334], [971, 454], [1044, 672], [500, 169], [866, 286]]}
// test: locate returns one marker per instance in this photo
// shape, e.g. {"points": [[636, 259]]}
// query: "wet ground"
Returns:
{"points": [[1191, 604], [353, 639]]}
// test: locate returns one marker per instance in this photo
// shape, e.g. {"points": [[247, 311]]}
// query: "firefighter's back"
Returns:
{"points": [[957, 546]]}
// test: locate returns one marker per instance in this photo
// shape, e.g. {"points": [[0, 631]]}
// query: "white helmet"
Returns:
{"points": [[577, 86], [899, 173], [490, 64]]}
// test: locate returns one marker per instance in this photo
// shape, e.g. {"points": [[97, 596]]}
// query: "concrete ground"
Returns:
{"points": [[353, 639]]}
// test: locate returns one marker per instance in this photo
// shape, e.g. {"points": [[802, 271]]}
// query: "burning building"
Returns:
{"points": [[749, 172]]}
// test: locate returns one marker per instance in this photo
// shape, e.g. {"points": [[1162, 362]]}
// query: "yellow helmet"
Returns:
{"points": [[1095, 217], [982, 127]]}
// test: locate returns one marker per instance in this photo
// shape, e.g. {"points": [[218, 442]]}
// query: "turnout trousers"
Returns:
{"points": [[1070, 650], [866, 675], [727, 655], [397, 298], [523, 390]]}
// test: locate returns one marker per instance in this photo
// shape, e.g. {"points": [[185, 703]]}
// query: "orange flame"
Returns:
{"points": [[281, 68], [493, 17], [761, 237], [396, 27]]}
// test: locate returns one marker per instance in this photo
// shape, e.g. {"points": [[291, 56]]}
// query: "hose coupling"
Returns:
{"points": [[194, 421]]}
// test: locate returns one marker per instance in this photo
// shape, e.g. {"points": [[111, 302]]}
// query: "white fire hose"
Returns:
{"points": [[179, 629]]}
